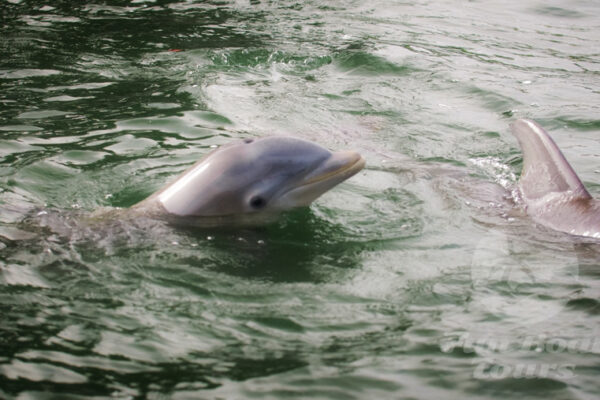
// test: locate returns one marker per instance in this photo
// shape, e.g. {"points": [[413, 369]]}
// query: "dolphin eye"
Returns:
{"points": [[257, 202]]}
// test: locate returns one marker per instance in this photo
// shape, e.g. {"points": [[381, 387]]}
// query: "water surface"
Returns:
{"points": [[417, 278]]}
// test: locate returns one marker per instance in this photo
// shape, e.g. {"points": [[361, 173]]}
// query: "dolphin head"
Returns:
{"points": [[258, 175]]}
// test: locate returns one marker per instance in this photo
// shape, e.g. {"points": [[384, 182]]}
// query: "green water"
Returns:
{"points": [[417, 278]]}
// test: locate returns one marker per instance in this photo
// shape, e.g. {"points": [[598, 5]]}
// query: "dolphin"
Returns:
{"points": [[553, 194], [254, 176]]}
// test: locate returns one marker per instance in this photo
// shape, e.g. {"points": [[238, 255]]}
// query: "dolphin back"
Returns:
{"points": [[553, 194], [545, 169]]}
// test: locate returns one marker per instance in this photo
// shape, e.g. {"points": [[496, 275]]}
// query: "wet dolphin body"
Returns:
{"points": [[553, 194], [254, 176]]}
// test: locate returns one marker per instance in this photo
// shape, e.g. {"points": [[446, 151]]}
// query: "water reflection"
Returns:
{"points": [[299, 248], [92, 67]]}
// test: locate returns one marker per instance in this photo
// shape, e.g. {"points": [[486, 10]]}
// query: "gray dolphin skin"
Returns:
{"points": [[553, 194], [255, 176]]}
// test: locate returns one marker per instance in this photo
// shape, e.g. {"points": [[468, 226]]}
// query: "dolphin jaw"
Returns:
{"points": [[336, 169]]}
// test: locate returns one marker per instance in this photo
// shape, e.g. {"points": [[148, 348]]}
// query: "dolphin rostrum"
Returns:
{"points": [[553, 194], [254, 176]]}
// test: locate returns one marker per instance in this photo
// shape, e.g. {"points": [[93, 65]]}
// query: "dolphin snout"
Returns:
{"points": [[346, 163]]}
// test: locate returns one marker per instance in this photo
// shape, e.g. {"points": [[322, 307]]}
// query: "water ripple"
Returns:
{"points": [[418, 278]]}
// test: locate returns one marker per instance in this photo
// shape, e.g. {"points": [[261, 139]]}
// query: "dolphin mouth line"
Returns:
{"points": [[353, 166]]}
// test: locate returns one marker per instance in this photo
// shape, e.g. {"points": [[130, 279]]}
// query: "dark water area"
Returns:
{"points": [[420, 277]]}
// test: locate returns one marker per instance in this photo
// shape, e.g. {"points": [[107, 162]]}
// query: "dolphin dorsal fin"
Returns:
{"points": [[545, 169]]}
